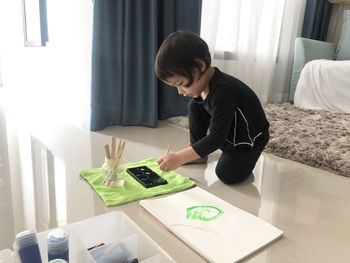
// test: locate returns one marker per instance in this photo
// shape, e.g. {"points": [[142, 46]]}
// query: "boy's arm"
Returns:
{"points": [[174, 160], [222, 118]]}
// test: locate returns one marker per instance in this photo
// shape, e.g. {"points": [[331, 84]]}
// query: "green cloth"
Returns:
{"points": [[132, 190]]}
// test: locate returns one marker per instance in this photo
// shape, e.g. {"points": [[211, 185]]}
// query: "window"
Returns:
{"points": [[228, 26], [35, 23], [220, 26]]}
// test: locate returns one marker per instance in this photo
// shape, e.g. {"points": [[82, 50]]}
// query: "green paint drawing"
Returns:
{"points": [[203, 213]]}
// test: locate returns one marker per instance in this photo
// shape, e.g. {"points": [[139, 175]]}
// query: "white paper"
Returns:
{"points": [[229, 237]]}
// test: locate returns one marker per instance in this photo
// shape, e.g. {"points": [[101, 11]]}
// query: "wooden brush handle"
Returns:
{"points": [[108, 154]]}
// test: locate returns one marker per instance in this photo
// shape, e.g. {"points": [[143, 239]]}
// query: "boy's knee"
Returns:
{"points": [[228, 176]]}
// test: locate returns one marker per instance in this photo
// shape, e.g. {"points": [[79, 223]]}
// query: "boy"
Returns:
{"points": [[224, 113]]}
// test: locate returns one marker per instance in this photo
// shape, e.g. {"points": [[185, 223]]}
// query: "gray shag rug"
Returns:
{"points": [[314, 137]]}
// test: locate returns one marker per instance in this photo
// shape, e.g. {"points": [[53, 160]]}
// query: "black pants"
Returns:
{"points": [[235, 163]]}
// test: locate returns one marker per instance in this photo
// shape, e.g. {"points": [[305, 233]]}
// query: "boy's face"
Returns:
{"points": [[180, 82]]}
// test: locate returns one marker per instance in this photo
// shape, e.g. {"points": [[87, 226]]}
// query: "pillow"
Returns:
{"points": [[343, 49]]}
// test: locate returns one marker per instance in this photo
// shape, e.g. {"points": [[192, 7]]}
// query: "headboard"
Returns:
{"points": [[306, 50]]}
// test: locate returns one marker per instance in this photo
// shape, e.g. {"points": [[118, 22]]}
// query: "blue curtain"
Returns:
{"points": [[316, 20], [43, 22], [126, 37]]}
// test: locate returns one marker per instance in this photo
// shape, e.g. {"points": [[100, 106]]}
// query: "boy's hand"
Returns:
{"points": [[170, 162], [174, 160]]}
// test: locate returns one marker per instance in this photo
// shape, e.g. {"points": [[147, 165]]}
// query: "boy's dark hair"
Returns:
{"points": [[180, 54]]}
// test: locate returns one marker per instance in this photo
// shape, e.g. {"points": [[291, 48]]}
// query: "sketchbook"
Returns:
{"points": [[215, 229]]}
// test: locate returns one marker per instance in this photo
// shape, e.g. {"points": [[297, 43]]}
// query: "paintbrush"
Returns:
{"points": [[166, 153]]}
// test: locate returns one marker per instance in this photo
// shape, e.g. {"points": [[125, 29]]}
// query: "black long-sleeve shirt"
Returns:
{"points": [[237, 117]]}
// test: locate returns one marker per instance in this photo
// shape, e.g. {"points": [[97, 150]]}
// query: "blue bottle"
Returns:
{"points": [[28, 248], [58, 244]]}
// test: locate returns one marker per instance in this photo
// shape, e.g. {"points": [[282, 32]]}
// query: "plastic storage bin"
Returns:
{"points": [[114, 227]]}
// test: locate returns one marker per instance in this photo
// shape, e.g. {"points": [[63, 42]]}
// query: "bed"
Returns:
{"points": [[315, 130], [324, 85]]}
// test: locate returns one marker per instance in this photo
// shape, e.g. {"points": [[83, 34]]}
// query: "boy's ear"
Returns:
{"points": [[202, 65]]}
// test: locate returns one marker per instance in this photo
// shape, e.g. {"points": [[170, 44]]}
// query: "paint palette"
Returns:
{"points": [[146, 177]]}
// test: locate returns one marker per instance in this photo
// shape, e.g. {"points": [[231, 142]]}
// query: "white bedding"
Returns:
{"points": [[324, 84]]}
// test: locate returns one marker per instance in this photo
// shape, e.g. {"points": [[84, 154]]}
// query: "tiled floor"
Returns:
{"points": [[311, 206]]}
